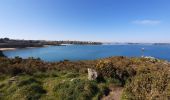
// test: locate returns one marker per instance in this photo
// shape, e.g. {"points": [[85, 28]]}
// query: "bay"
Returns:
{"points": [[91, 52]]}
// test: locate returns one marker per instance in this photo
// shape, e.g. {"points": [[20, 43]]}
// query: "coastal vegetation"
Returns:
{"points": [[34, 79], [11, 43]]}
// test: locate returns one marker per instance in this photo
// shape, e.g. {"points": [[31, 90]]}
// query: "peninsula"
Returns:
{"points": [[9, 44]]}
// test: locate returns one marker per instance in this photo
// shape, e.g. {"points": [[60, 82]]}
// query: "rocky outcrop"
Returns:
{"points": [[92, 74], [1, 54], [152, 59]]}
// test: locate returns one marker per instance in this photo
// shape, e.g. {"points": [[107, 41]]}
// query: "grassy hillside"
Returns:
{"points": [[33, 79]]}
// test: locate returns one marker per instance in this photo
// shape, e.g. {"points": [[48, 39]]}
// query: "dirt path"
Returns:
{"points": [[115, 94]]}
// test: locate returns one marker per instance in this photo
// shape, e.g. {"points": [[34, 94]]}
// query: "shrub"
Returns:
{"points": [[142, 78], [108, 69], [148, 86]]}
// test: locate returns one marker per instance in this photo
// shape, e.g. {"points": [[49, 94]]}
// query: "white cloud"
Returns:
{"points": [[147, 22]]}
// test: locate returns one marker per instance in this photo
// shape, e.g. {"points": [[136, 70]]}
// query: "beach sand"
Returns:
{"points": [[5, 49]]}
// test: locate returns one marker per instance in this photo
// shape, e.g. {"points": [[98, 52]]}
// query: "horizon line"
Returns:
{"points": [[106, 42]]}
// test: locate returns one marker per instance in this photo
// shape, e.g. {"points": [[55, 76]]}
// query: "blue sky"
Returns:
{"points": [[87, 20]]}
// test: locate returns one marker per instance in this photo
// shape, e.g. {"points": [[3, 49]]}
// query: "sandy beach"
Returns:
{"points": [[5, 49]]}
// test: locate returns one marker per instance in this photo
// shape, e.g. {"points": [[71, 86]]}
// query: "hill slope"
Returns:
{"points": [[33, 79]]}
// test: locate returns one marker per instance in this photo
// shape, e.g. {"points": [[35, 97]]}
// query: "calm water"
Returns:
{"points": [[78, 52]]}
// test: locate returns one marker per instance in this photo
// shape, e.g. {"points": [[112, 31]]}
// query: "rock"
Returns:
{"points": [[149, 57], [92, 74], [13, 79], [72, 79], [152, 59], [1, 54]]}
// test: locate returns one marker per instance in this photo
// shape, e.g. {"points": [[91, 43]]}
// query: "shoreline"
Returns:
{"points": [[6, 49]]}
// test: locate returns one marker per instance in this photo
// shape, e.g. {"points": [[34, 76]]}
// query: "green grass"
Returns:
{"points": [[33, 79], [48, 86]]}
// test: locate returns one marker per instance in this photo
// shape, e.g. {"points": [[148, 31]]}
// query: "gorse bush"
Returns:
{"points": [[107, 68], [150, 83], [143, 79], [31, 65], [18, 65]]}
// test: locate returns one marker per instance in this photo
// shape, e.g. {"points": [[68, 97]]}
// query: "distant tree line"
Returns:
{"points": [[11, 43]]}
